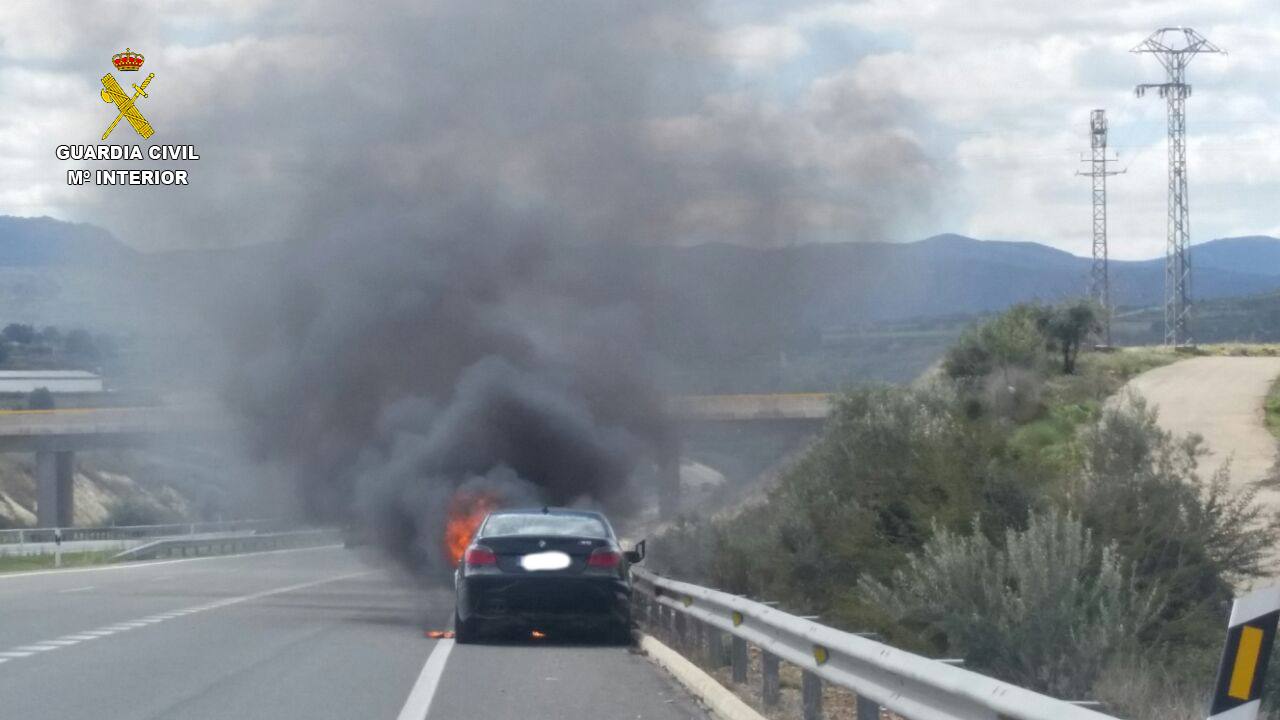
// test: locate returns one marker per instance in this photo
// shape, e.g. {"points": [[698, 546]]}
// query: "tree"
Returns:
{"points": [[80, 342], [1011, 340], [19, 333], [40, 399], [1068, 326]]}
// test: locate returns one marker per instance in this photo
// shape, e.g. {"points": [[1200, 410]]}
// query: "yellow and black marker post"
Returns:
{"points": [[1251, 631]]}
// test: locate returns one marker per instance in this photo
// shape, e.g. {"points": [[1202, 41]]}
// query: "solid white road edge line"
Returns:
{"points": [[717, 698], [424, 690]]}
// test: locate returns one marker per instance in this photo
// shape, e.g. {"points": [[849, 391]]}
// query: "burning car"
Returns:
{"points": [[544, 569]]}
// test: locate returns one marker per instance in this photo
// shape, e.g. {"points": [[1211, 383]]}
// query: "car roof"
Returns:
{"points": [[555, 512], [549, 511]]}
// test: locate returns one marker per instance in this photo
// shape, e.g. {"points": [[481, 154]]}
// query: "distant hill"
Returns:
{"points": [[29, 242], [846, 284], [713, 301]]}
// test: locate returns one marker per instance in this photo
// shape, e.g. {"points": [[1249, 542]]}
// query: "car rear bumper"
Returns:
{"points": [[544, 599]]}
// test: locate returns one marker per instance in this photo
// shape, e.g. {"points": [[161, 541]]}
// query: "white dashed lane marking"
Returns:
{"points": [[24, 651]]}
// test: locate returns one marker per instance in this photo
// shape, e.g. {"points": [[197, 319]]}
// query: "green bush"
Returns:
{"points": [[890, 463], [139, 511], [1141, 489], [1006, 342], [40, 399], [1047, 609]]}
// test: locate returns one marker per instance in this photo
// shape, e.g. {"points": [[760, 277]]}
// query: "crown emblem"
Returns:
{"points": [[127, 60]]}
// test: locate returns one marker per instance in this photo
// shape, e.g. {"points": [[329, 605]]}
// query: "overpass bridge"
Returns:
{"points": [[736, 430], [55, 435]]}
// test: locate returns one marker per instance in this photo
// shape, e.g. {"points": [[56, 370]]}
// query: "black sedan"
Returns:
{"points": [[544, 570]]}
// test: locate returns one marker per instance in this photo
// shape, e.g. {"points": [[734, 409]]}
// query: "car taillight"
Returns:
{"points": [[479, 555], [604, 558]]}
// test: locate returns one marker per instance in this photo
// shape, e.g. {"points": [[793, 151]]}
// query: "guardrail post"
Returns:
{"points": [[739, 659], [771, 687], [867, 710], [682, 632], [811, 695], [717, 655], [697, 638]]}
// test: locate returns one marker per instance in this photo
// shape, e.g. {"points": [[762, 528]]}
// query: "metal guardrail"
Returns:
{"points": [[911, 686], [133, 532], [230, 544]]}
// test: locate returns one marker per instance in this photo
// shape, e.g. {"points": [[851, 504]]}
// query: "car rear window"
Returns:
{"points": [[508, 524]]}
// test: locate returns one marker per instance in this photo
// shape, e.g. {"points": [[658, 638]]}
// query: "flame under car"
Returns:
{"points": [[561, 571]]}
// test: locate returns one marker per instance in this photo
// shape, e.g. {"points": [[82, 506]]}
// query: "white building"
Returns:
{"points": [[58, 381]]}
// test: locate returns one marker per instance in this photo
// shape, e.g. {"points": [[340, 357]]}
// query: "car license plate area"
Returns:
{"points": [[543, 561]]}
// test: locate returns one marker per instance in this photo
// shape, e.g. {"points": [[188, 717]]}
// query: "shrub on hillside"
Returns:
{"points": [[1012, 340], [40, 399], [135, 510], [1141, 489], [1045, 609], [890, 462]]}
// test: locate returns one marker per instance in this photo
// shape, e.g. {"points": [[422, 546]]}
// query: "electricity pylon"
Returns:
{"points": [[1175, 48], [1099, 276]]}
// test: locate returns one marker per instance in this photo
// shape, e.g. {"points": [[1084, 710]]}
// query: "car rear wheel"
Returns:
{"points": [[464, 632]]}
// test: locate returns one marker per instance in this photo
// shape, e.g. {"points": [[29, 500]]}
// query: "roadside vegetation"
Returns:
{"points": [[1010, 512], [1272, 408], [22, 563]]}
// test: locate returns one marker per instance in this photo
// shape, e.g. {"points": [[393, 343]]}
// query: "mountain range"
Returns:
{"points": [[814, 285]]}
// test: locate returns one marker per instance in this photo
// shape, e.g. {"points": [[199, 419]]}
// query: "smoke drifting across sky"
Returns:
{"points": [[321, 116], [463, 187]]}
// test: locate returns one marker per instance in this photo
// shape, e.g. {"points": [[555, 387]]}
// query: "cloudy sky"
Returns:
{"points": [[745, 120]]}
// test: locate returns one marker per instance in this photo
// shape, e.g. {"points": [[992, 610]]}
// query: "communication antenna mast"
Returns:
{"points": [[1099, 279], [1175, 48]]}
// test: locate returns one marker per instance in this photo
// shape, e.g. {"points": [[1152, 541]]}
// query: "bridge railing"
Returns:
{"points": [[133, 532], [696, 620], [230, 544]]}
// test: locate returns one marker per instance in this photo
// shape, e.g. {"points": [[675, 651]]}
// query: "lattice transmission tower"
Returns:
{"points": [[1175, 48], [1099, 277]]}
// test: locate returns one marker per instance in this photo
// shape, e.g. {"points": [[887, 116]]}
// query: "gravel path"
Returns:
{"points": [[1221, 399]]}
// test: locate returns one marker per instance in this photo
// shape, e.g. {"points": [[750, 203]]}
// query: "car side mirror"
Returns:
{"points": [[636, 554]]}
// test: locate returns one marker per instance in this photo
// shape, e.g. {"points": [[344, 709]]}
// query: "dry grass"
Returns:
{"points": [[19, 563]]}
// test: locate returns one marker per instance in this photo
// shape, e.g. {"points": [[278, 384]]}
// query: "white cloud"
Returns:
{"points": [[1009, 85], [973, 115], [752, 47]]}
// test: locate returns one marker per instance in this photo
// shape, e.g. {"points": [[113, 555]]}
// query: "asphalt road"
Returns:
{"points": [[316, 634]]}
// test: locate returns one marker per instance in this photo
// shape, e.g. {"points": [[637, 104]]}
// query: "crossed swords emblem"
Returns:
{"points": [[113, 93]]}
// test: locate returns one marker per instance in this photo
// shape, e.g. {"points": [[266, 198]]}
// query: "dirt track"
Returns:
{"points": [[1221, 399]]}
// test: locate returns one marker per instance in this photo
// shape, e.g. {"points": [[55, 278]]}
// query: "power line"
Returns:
{"points": [[1175, 48]]}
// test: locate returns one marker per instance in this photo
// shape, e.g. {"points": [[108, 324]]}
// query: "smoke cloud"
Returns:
{"points": [[468, 189]]}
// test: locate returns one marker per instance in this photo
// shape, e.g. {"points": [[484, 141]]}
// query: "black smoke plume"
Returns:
{"points": [[470, 189]]}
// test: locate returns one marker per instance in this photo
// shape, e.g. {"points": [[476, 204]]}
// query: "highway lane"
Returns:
{"points": [[311, 634]]}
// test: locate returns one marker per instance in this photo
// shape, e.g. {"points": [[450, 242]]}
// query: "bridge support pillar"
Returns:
{"points": [[55, 500]]}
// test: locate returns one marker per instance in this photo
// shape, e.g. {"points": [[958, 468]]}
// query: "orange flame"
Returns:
{"points": [[466, 511]]}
